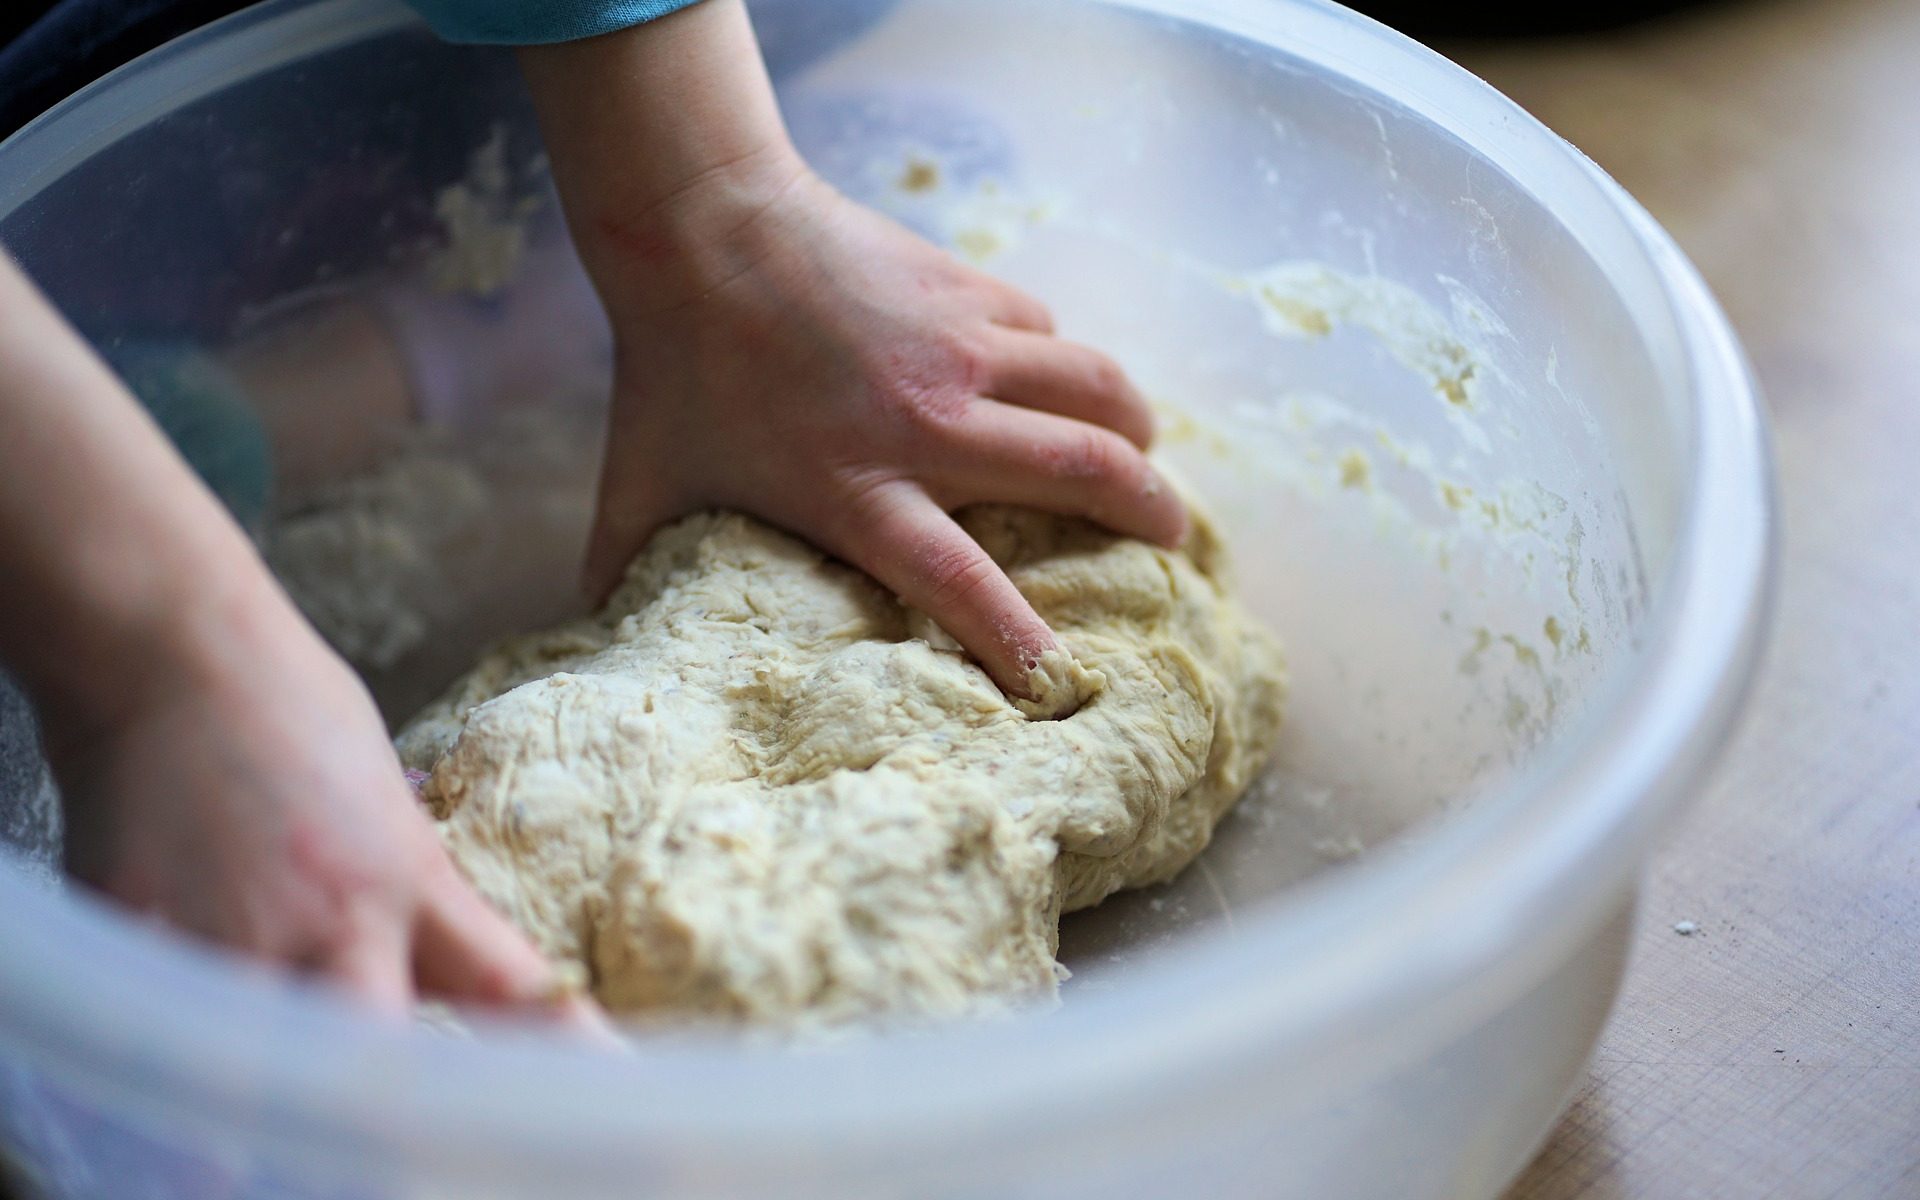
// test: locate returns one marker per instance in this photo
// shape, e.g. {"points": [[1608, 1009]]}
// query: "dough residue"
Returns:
{"points": [[755, 787]]}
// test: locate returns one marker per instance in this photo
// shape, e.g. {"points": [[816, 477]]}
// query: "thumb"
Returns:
{"points": [[633, 500]]}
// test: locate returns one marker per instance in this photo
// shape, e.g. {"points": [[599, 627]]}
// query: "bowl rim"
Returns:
{"points": [[294, 1063]]}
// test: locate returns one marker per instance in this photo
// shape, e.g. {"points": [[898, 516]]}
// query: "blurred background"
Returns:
{"points": [[50, 47], [1776, 1051], [1768, 1042]]}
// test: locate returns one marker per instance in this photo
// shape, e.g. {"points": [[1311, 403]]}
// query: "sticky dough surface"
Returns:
{"points": [[755, 787]]}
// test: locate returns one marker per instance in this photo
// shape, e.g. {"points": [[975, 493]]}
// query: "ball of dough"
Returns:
{"points": [[755, 787]]}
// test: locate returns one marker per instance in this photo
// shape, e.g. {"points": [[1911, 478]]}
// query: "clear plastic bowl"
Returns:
{"points": [[1487, 451]]}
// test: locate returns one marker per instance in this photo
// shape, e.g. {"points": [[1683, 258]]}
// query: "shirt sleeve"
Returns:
{"points": [[530, 22]]}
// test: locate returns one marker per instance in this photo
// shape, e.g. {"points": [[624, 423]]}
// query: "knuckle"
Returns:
{"points": [[338, 883], [1097, 456], [1025, 310], [1107, 377], [865, 496], [1020, 307], [968, 363], [930, 388], [938, 411], [955, 574], [863, 501]]}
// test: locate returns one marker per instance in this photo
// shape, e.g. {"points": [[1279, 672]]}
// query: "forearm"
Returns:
{"points": [[667, 146], [114, 555]]}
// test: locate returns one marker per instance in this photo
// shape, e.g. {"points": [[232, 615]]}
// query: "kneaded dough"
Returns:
{"points": [[755, 787]]}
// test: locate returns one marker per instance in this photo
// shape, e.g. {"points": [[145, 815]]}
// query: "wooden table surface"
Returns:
{"points": [[1776, 1052]]}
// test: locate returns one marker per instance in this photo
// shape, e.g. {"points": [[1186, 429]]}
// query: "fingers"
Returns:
{"points": [[464, 951], [371, 962], [581, 1015], [1010, 307], [903, 539], [1017, 456], [1042, 372]]}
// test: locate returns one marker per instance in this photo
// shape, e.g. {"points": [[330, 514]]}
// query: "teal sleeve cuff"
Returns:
{"points": [[531, 22]]}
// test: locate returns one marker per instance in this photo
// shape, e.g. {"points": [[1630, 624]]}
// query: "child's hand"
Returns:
{"points": [[782, 350], [220, 768], [852, 383], [246, 791]]}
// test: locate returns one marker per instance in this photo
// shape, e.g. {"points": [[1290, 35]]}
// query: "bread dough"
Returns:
{"points": [[755, 787]]}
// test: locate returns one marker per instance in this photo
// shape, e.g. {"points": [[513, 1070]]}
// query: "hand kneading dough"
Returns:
{"points": [[755, 787]]}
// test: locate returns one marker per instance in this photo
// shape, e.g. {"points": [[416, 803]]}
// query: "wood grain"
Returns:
{"points": [[1776, 1052]]}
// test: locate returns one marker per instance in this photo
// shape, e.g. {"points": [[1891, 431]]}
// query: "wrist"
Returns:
{"points": [[649, 260], [668, 149], [120, 567], [188, 616]]}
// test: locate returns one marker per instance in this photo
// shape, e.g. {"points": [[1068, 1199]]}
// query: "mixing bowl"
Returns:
{"points": [[1486, 451]]}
